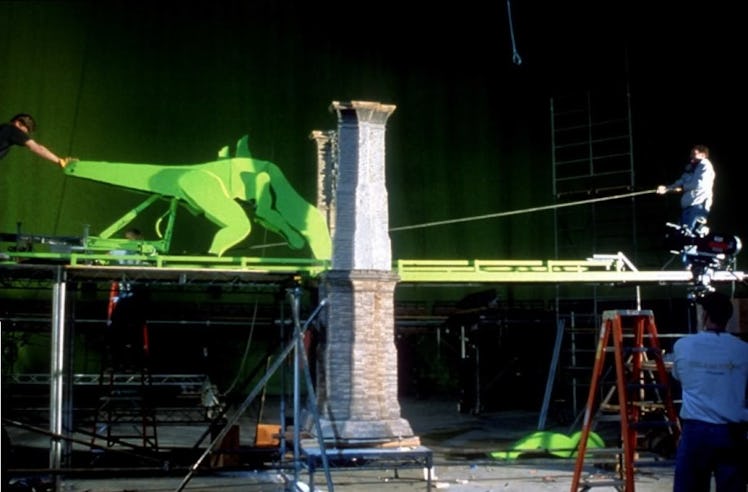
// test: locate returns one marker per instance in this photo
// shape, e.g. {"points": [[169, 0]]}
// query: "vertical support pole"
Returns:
{"points": [[293, 296], [551, 374], [476, 368], [68, 403], [56, 370], [575, 378]]}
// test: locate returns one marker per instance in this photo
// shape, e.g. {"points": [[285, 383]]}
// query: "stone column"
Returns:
{"points": [[357, 380], [327, 170], [362, 219]]}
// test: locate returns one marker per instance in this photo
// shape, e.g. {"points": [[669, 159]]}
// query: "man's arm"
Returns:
{"points": [[676, 186], [44, 152]]}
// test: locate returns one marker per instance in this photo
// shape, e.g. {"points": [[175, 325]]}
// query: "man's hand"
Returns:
{"points": [[662, 189], [64, 161]]}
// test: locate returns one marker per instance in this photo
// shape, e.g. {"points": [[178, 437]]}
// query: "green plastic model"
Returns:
{"points": [[553, 443], [215, 189]]}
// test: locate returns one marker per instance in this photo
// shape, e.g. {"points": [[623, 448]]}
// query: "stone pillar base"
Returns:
{"points": [[357, 362], [363, 432]]}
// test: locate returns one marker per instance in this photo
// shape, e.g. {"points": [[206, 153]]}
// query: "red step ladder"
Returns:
{"points": [[642, 387]]}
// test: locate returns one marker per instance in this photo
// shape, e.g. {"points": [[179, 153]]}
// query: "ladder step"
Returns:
{"points": [[587, 484], [653, 424], [645, 406], [613, 411], [645, 386], [600, 453], [637, 350]]}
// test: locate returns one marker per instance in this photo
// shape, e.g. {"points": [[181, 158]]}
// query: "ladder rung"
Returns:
{"points": [[648, 406], [644, 386], [601, 483], [651, 365], [643, 405], [602, 453], [646, 424]]}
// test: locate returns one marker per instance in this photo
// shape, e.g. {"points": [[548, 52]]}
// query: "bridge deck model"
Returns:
{"points": [[603, 268]]}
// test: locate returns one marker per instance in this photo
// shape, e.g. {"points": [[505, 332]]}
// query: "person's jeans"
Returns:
{"points": [[690, 215], [706, 448]]}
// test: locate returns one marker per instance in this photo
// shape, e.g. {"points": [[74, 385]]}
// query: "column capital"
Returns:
{"points": [[362, 111], [322, 136]]}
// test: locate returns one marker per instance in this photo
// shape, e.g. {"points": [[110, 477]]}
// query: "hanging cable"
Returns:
{"points": [[248, 345], [515, 54]]}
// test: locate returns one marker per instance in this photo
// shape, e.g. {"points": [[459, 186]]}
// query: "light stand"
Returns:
{"points": [[296, 346]]}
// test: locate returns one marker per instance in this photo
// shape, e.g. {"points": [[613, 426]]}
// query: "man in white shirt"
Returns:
{"points": [[712, 367]]}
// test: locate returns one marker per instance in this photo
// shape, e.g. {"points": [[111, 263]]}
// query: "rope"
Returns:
{"points": [[522, 211], [498, 214]]}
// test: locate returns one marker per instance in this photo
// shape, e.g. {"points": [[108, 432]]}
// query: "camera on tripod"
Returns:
{"points": [[702, 251]]}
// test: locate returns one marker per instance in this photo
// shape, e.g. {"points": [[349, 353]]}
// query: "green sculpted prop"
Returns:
{"points": [[215, 189], [548, 442]]}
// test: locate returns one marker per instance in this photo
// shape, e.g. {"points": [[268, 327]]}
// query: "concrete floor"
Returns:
{"points": [[460, 443]]}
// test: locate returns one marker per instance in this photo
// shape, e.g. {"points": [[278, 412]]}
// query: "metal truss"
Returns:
{"points": [[189, 383]]}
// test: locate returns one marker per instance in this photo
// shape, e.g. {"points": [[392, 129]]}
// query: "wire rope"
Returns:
{"points": [[521, 211], [493, 215]]}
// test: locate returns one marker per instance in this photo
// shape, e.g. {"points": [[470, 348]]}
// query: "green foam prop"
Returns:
{"points": [[553, 443], [213, 189]]}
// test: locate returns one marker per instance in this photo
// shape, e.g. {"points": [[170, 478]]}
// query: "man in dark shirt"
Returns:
{"points": [[18, 132], [696, 183]]}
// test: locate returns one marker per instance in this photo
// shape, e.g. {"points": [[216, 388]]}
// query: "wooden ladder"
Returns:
{"points": [[641, 386]]}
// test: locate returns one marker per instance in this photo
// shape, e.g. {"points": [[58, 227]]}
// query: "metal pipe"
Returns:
{"points": [[56, 367]]}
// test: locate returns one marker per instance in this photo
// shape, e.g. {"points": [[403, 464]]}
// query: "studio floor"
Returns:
{"points": [[460, 443]]}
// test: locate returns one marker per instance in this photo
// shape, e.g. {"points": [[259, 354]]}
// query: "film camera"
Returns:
{"points": [[702, 251]]}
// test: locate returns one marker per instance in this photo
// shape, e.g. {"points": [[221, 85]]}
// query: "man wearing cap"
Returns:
{"points": [[712, 367], [18, 132]]}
